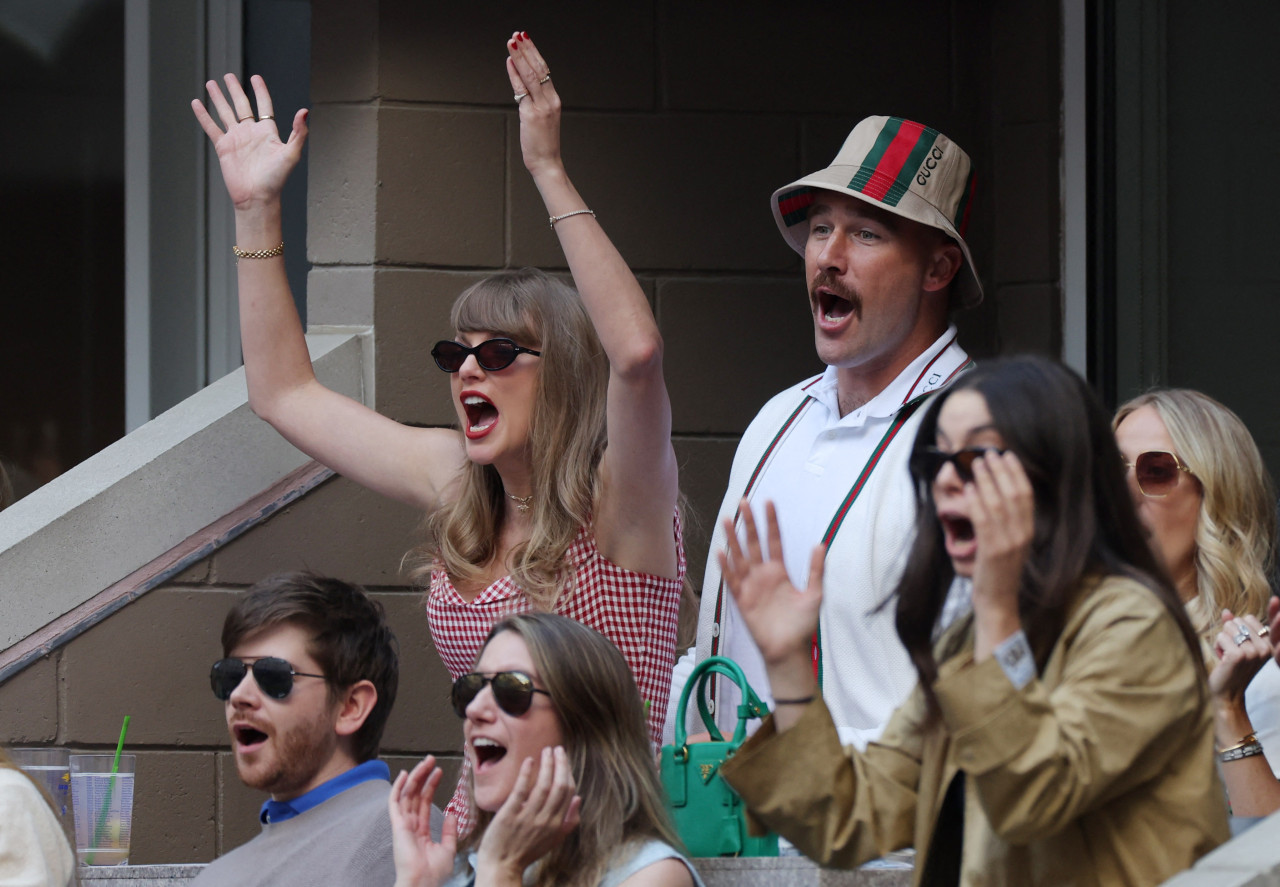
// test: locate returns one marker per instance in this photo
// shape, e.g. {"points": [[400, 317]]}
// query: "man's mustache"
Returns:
{"points": [[824, 280]]}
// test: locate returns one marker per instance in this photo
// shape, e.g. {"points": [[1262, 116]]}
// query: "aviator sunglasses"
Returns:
{"points": [[491, 354], [512, 690], [273, 675], [926, 463], [1157, 472]]}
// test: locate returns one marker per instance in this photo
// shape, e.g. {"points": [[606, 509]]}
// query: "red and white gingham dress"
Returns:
{"points": [[637, 611]]}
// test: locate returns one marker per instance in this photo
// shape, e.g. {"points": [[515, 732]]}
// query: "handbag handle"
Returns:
{"points": [[751, 706]]}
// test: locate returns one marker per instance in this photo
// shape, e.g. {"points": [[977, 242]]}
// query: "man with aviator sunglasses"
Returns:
{"points": [[308, 677], [881, 231]]}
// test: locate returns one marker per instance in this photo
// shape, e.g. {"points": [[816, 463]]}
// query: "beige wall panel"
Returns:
{"points": [[174, 815], [805, 58], [704, 474], [440, 186], [238, 804], [601, 54], [672, 192], [29, 704], [731, 344], [150, 661], [342, 194], [339, 529], [412, 315], [422, 719], [1026, 203], [1029, 319], [1026, 62], [342, 296], [345, 50]]}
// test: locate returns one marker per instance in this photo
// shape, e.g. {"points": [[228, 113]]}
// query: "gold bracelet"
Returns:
{"points": [[576, 212], [1249, 738], [277, 250]]}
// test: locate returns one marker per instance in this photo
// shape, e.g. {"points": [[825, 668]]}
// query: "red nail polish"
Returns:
{"points": [[524, 35], [513, 44]]}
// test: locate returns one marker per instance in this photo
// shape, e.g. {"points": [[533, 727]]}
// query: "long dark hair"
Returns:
{"points": [[1085, 521]]}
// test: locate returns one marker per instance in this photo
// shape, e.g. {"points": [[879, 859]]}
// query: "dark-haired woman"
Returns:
{"points": [[1060, 733], [558, 490]]}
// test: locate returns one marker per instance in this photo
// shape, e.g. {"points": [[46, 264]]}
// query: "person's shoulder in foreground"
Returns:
{"points": [[308, 679]]}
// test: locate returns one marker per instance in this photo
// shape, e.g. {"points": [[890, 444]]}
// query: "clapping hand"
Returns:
{"points": [[255, 163], [420, 860]]}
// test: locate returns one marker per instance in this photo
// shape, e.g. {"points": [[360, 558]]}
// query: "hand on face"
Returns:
{"points": [[540, 811], [781, 617], [540, 109], [255, 163], [420, 860], [1002, 507], [1238, 662]]}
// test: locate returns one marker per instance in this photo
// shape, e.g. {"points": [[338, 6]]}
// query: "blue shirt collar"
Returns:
{"points": [[279, 811]]}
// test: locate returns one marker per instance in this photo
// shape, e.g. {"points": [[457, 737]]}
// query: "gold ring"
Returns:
{"points": [[1264, 632], [244, 118], [546, 78], [266, 117]]}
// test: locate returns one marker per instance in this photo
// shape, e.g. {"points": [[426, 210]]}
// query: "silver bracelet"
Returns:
{"points": [[576, 212], [1243, 751]]}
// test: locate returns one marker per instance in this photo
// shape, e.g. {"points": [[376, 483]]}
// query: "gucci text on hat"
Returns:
{"points": [[903, 167]]}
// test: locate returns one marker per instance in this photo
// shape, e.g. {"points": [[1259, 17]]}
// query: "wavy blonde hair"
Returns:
{"points": [[1236, 529], [566, 439], [606, 737]]}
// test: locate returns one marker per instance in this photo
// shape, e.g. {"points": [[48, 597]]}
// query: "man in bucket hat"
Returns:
{"points": [[882, 234]]}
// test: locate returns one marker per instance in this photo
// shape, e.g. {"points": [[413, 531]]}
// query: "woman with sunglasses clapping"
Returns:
{"points": [[559, 491], [1205, 496], [1060, 732], [564, 781]]}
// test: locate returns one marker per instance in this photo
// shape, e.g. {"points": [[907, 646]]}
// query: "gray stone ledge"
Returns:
{"points": [[146, 493]]}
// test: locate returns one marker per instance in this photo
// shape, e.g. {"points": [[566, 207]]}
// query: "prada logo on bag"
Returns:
{"points": [[707, 770]]}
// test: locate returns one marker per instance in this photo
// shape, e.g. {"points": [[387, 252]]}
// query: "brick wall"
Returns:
{"points": [[681, 120]]}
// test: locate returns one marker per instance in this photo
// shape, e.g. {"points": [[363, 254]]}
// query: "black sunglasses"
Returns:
{"points": [[926, 463], [491, 354], [273, 675], [512, 690]]}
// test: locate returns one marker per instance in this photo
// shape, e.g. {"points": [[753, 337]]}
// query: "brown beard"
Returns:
{"points": [[300, 754]]}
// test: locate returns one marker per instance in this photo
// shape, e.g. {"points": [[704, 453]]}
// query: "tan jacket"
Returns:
{"points": [[1101, 772]]}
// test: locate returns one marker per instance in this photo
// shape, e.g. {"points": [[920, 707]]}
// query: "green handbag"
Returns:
{"points": [[708, 814]]}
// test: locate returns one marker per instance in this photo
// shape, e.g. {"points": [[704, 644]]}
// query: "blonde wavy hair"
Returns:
{"points": [[1236, 529], [566, 439], [606, 737]]}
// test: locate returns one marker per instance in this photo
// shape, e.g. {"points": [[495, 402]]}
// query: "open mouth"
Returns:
{"points": [[248, 737], [482, 415], [487, 752], [958, 528], [835, 308]]}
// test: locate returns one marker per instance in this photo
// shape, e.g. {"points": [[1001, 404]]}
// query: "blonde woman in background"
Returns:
{"points": [[1204, 495], [33, 848]]}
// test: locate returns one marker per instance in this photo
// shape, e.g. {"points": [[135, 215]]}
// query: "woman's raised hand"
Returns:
{"points": [[540, 811], [255, 163], [1238, 660], [1002, 507], [539, 107], [420, 860], [781, 617]]}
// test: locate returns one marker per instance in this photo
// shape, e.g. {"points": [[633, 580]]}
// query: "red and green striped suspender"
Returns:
{"points": [[904, 414]]}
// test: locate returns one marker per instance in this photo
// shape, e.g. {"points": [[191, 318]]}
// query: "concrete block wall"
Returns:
{"points": [[681, 119]]}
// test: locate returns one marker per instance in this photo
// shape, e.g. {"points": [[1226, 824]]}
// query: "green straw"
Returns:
{"points": [[111, 790]]}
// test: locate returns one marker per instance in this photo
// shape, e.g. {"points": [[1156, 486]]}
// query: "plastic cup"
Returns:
{"points": [[103, 804], [49, 767]]}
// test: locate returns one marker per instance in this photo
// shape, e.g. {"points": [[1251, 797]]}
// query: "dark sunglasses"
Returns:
{"points": [[491, 354], [926, 463], [273, 675], [512, 690], [1157, 472]]}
